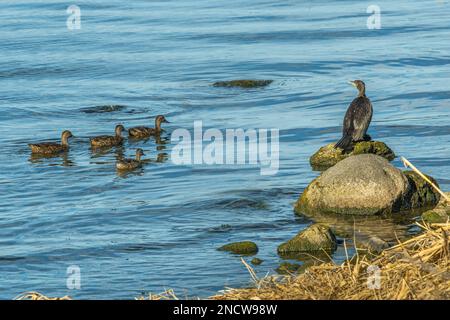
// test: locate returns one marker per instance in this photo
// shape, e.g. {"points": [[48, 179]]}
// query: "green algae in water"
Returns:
{"points": [[104, 109], [246, 83]]}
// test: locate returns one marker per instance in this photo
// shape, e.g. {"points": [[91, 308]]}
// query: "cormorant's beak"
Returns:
{"points": [[165, 121], [352, 83]]}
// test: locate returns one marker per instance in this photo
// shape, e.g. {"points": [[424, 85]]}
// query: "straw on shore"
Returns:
{"points": [[415, 269]]}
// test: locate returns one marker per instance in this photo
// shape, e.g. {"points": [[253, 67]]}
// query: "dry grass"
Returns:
{"points": [[166, 295], [415, 269], [38, 296]]}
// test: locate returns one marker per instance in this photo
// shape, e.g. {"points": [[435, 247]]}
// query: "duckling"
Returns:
{"points": [[50, 148], [143, 132], [109, 141], [131, 164]]}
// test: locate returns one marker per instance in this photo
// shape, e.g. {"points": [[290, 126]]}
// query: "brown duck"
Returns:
{"points": [[109, 141], [130, 164], [144, 132], [52, 147]]}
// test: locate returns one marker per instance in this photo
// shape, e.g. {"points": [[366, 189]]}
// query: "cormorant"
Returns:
{"points": [[357, 118]]}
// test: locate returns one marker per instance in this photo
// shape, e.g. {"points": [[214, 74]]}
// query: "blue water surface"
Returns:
{"points": [[159, 227]]}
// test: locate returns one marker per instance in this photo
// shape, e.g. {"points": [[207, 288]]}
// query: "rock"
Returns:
{"points": [[422, 194], [256, 261], [288, 268], [373, 244], [103, 109], [243, 83], [439, 214], [243, 247], [314, 238], [363, 184], [328, 156]]}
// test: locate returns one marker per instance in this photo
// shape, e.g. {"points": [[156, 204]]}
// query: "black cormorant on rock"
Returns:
{"points": [[357, 119]]}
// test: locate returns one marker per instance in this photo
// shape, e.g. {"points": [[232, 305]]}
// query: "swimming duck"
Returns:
{"points": [[143, 132], [131, 164], [109, 141], [52, 147]]}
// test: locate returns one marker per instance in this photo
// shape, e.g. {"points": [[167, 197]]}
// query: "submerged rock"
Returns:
{"points": [[243, 83], [288, 268], [373, 244], [328, 156], [314, 238], [243, 247], [365, 185], [256, 261], [439, 214], [103, 109]]}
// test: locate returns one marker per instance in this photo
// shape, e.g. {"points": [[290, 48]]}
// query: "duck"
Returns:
{"points": [[131, 164], [144, 132], [50, 148], [109, 141]]}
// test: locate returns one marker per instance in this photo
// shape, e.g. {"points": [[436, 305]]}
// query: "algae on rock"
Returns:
{"points": [[242, 247], [327, 156], [243, 83], [316, 237]]}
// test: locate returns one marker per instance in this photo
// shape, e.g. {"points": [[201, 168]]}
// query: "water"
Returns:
{"points": [[159, 227]]}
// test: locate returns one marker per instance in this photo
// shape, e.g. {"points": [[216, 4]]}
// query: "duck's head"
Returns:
{"points": [[360, 85], [66, 134], [119, 129], [160, 119]]}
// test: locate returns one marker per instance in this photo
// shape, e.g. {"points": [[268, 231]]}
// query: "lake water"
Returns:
{"points": [[159, 227]]}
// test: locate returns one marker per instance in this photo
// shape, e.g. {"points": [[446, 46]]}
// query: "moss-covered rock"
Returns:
{"points": [[256, 261], [103, 109], [439, 214], [244, 83], [422, 194], [242, 247], [314, 238], [328, 155]]}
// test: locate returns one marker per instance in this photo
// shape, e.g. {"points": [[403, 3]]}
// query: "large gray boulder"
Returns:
{"points": [[363, 184]]}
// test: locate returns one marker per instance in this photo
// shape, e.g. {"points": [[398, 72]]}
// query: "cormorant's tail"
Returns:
{"points": [[344, 143]]}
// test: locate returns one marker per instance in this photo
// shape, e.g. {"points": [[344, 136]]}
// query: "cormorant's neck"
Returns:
{"points": [[362, 93], [118, 133], [138, 157]]}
